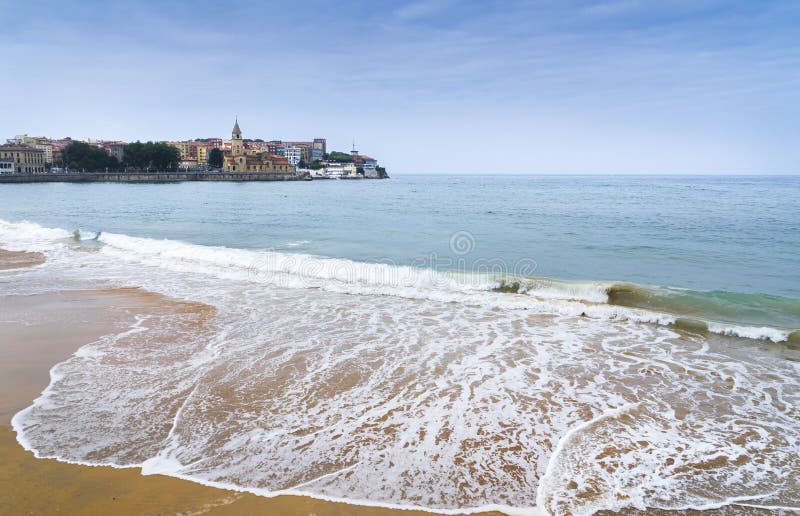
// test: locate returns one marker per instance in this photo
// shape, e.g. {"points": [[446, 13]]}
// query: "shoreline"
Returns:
{"points": [[148, 177], [33, 341], [164, 177]]}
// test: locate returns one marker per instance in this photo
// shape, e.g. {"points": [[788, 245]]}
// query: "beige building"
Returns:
{"points": [[37, 142], [202, 154], [188, 164], [27, 160], [238, 159]]}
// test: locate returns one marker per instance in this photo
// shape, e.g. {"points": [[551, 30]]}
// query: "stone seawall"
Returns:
{"points": [[147, 177]]}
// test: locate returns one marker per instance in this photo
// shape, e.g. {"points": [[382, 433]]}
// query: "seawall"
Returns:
{"points": [[147, 177]]}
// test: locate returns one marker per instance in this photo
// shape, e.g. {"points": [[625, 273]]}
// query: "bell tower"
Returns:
{"points": [[237, 145]]}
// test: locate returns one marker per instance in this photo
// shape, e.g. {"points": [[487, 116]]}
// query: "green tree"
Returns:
{"points": [[215, 158], [340, 157], [82, 156], [152, 156]]}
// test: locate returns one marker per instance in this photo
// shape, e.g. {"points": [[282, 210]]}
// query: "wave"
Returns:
{"points": [[749, 316]]}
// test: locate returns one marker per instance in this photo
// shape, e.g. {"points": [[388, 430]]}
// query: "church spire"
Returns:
{"points": [[237, 145]]}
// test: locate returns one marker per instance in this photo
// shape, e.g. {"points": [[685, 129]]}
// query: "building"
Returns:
{"points": [[37, 142], [183, 149], [116, 149], [370, 166], [238, 159], [305, 150], [27, 159], [319, 147], [202, 153], [356, 157], [188, 164], [6, 166], [274, 147], [334, 170], [293, 154], [186, 149], [211, 143], [350, 170]]}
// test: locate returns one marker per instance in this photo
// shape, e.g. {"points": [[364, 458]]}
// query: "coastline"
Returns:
{"points": [[33, 340], [148, 177], [165, 177], [41, 330]]}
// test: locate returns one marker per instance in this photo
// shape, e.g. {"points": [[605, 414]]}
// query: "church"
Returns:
{"points": [[240, 159]]}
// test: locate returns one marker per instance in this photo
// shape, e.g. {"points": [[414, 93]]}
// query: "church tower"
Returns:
{"points": [[237, 146]]}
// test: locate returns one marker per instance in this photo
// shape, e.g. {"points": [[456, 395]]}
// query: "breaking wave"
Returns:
{"points": [[743, 315], [752, 316]]}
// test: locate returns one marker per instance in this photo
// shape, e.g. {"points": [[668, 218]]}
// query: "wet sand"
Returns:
{"points": [[32, 340], [18, 259]]}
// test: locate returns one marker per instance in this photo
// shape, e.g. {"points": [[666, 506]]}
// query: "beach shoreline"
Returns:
{"points": [[33, 341], [40, 330]]}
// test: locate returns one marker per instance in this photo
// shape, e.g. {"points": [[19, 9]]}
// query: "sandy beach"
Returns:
{"points": [[32, 340]]}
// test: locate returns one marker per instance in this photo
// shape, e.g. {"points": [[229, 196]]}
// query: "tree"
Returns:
{"points": [[82, 156], [340, 157], [215, 158], [151, 155]]}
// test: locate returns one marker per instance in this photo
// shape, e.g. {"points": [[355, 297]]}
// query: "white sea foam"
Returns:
{"points": [[346, 276], [749, 332], [296, 243], [322, 377], [28, 236], [338, 275]]}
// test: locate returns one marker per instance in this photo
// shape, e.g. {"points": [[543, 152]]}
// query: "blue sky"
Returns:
{"points": [[514, 86]]}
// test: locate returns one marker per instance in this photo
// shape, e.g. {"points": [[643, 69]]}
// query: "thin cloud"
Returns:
{"points": [[422, 9], [612, 8]]}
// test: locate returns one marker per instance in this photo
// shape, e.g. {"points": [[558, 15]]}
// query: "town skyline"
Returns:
{"points": [[225, 138], [41, 158]]}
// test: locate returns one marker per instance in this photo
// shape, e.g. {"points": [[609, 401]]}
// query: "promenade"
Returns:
{"points": [[149, 177]]}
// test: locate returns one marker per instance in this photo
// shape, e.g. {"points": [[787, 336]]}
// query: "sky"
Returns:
{"points": [[424, 86]]}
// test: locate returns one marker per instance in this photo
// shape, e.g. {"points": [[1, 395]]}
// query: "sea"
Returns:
{"points": [[529, 344]]}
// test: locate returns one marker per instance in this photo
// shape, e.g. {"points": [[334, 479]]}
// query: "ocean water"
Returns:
{"points": [[537, 344]]}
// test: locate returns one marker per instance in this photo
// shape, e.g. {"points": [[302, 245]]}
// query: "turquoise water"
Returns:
{"points": [[732, 241], [739, 234]]}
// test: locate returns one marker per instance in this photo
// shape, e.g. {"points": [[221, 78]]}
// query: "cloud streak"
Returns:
{"points": [[422, 9]]}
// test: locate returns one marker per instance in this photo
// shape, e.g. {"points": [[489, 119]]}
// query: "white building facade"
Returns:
{"points": [[293, 154]]}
